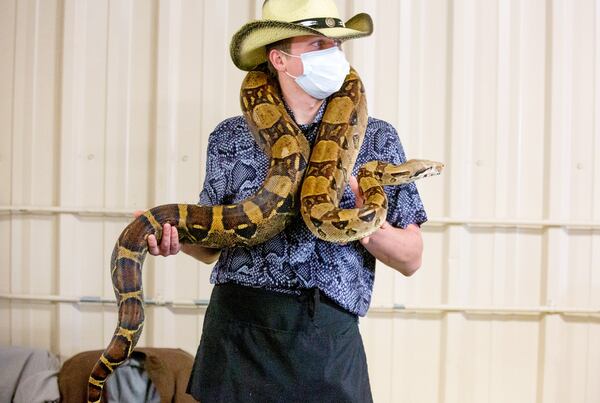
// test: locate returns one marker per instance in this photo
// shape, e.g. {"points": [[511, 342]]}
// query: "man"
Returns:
{"points": [[282, 324]]}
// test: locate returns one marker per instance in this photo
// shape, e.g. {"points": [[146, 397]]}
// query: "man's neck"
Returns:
{"points": [[303, 106]]}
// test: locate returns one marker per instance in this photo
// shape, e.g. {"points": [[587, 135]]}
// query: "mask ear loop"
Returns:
{"points": [[289, 54], [289, 75]]}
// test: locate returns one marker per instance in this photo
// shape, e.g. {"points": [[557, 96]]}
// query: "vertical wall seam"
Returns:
{"points": [[450, 9], [106, 90], [203, 152], [545, 247], [126, 171], [596, 138], [58, 101], [152, 147], [34, 95], [421, 98], [104, 144], [12, 161], [153, 117], [593, 194]]}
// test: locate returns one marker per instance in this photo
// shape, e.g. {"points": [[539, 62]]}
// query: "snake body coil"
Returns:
{"points": [[334, 154], [265, 214]]}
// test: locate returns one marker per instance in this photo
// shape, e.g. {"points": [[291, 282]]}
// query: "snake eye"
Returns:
{"points": [[421, 171], [401, 174]]}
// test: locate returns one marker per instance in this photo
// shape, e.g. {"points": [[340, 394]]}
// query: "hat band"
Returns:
{"points": [[328, 22]]}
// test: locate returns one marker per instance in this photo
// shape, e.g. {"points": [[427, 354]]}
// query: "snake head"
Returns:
{"points": [[424, 168]]}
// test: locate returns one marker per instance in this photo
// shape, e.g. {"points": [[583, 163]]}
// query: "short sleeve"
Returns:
{"points": [[404, 203], [215, 182]]}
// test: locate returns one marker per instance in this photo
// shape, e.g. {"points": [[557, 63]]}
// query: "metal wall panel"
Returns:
{"points": [[106, 107]]}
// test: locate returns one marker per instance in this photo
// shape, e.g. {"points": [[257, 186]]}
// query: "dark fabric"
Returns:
{"points": [[264, 346], [168, 369]]}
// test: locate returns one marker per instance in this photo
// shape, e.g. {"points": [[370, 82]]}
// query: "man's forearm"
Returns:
{"points": [[201, 253], [400, 249]]}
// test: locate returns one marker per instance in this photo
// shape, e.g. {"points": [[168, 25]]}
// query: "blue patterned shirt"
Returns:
{"points": [[295, 259]]}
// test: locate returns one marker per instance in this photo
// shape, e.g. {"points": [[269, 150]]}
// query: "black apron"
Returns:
{"points": [[263, 346]]}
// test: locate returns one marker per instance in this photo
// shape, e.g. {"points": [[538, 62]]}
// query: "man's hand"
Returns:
{"points": [[399, 248], [169, 244], [359, 203]]}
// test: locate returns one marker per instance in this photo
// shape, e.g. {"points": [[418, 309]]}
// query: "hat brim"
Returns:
{"points": [[247, 47]]}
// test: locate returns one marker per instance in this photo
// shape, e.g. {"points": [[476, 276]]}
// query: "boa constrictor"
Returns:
{"points": [[265, 214]]}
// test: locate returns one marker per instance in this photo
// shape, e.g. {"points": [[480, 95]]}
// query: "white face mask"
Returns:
{"points": [[324, 71]]}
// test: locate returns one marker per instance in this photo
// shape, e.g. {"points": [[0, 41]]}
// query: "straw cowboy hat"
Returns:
{"points": [[282, 19]]}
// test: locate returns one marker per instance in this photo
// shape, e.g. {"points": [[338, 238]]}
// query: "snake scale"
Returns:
{"points": [[265, 214]]}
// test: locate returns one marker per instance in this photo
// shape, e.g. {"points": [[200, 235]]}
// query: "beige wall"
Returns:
{"points": [[105, 107]]}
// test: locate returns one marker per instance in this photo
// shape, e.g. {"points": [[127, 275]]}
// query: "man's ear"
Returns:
{"points": [[276, 60]]}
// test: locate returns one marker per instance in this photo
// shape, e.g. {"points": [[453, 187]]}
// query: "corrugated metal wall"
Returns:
{"points": [[105, 107]]}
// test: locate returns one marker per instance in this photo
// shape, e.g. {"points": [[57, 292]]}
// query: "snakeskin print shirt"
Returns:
{"points": [[295, 259]]}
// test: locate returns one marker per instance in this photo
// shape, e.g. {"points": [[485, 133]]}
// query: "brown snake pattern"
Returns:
{"points": [[265, 214], [331, 160]]}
